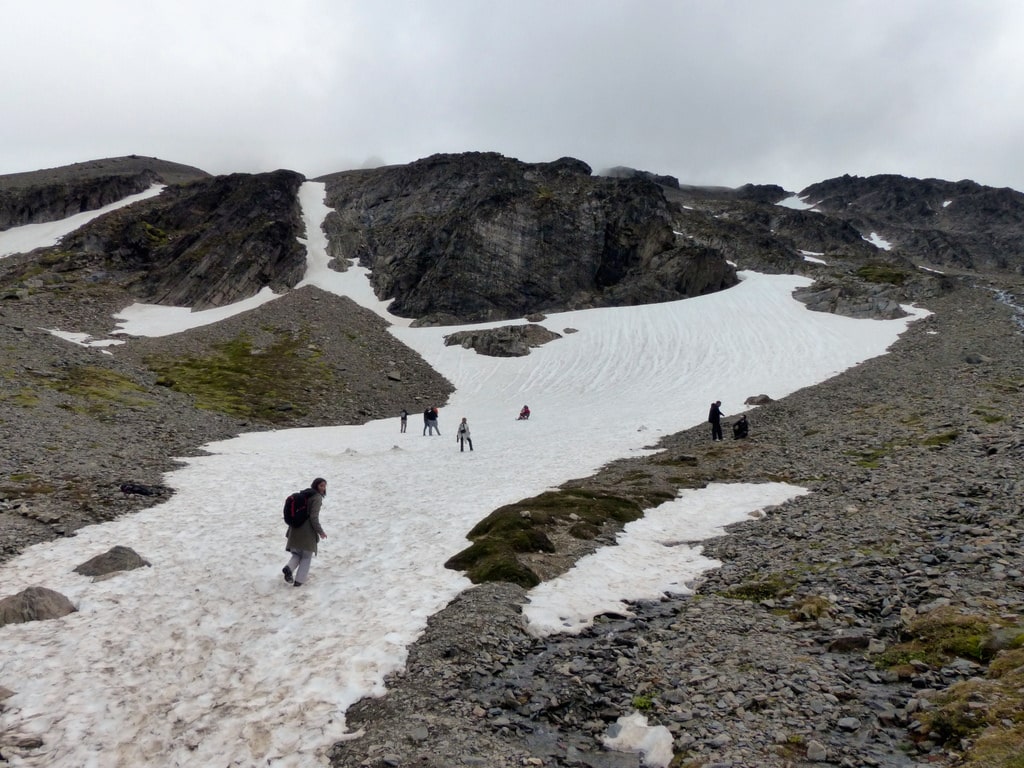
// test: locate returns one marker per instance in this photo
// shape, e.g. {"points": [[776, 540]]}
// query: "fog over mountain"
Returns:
{"points": [[787, 93]]}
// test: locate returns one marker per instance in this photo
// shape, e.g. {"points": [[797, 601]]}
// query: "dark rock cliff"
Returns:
{"points": [[56, 193], [478, 236], [959, 224], [203, 244]]}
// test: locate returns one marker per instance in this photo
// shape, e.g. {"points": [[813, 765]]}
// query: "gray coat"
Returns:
{"points": [[304, 538]]}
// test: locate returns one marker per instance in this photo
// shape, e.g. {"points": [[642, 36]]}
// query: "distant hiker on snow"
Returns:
{"points": [[715, 417], [302, 539], [741, 428], [462, 436], [403, 419], [524, 414]]}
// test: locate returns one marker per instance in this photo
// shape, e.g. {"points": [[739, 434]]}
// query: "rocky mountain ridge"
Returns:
{"points": [[458, 237]]}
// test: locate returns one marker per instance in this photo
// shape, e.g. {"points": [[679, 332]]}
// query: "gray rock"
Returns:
{"points": [[34, 604], [118, 558]]}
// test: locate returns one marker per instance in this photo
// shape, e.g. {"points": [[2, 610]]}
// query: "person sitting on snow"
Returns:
{"points": [[525, 413]]}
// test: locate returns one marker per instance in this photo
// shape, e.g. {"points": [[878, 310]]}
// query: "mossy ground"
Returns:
{"points": [[524, 527], [983, 714], [265, 383]]}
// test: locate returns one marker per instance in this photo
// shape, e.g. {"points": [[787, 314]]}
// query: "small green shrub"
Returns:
{"points": [[883, 273], [769, 587]]}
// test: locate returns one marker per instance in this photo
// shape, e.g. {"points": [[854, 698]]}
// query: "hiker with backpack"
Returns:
{"points": [[302, 514]]}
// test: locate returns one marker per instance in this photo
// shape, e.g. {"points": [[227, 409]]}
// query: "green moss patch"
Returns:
{"points": [[768, 587], [987, 713], [517, 528], [939, 636], [94, 390], [264, 384], [943, 438], [883, 273], [23, 484]]}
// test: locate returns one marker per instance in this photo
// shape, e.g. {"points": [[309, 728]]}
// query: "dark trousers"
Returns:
{"points": [[716, 430], [462, 443]]}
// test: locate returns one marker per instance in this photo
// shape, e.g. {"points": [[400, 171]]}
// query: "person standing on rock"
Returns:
{"points": [[403, 419], [302, 539], [715, 417], [462, 435]]}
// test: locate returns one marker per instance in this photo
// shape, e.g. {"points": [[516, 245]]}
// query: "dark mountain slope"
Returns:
{"points": [[203, 244], [478, 236], [56, 193], [940, 223]]}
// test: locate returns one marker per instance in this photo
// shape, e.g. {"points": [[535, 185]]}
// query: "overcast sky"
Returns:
{"points": [[728, 92]]}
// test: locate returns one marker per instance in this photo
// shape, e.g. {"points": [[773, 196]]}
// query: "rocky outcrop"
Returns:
{"points": [[478, 236], [204, 244], [958, 224], [507, 341], [56, 193]]}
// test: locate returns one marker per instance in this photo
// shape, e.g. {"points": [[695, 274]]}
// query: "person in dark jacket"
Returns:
{"points": [[302, 539], [403, 419], [715, 417], [740, 428], [430, 421]]}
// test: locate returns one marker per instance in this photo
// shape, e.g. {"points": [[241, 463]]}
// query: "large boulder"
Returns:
{"points": [[34, 604], [116, 559], [507, 341]]}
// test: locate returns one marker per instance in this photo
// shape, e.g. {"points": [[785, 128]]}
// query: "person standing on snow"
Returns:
{"points": [[302, 539], [403, 418], [715, 417], [462, 435]]}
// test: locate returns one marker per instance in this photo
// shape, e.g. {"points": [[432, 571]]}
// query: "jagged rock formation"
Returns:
{"points": [[938, 223], [478, 236], [203, 244], [49, 195]]}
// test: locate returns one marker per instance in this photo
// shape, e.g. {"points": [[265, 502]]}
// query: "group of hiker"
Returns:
{"points": [[305, 530], [740, 427], [462, 434]]}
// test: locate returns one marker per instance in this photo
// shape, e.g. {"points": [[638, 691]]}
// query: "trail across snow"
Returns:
{"points": [[209, 658]]}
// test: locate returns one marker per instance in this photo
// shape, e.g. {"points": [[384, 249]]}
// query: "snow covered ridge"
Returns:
{"points": [[193, 661]]}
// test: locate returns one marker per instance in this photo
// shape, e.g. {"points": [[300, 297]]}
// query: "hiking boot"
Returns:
{"points": [[297, 584], [287, 574]]}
